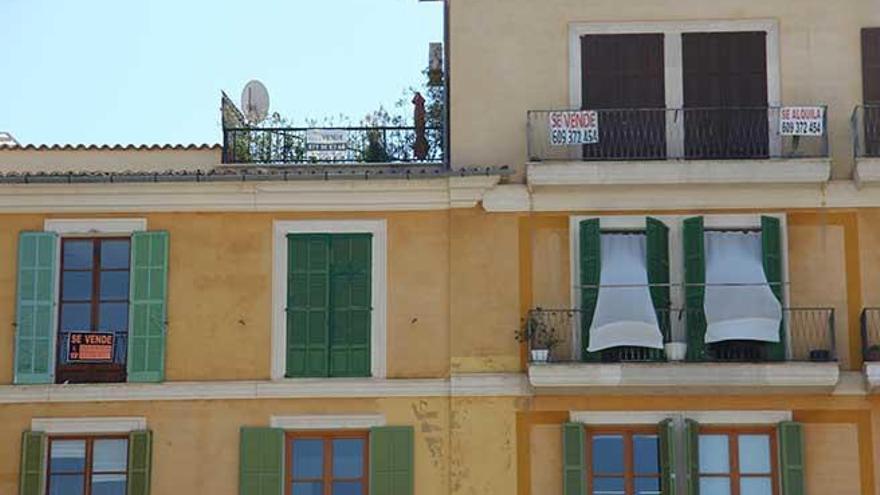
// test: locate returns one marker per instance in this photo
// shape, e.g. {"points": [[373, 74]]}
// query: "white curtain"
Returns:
{"points": [[745, 308], [624, 315]]}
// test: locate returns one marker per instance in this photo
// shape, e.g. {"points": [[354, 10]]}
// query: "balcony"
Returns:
{"points": [[865, 128], [678, 146], [740, 366], [366, 147]]}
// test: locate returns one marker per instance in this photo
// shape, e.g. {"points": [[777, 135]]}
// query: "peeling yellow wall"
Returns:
{"points": [[483, 446], [195, 443]]}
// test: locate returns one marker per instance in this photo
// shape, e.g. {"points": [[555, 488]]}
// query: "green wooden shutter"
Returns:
{"points": [[308, 305], [695, 279], [658, 272], [771, 243], [140, 451], [391, 460], [590, 258], [350, 303], [35, 307], [791, 457], [32, 477], [666, 429], [261, 461], [574, 464], [692, 456], [148, 312]]}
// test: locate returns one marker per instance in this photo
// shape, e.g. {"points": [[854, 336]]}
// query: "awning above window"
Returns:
{"points": [[739, 303], [624, 314]]}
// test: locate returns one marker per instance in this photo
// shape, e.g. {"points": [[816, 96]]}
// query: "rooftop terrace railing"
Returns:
{"points": [[865, 128], [809, 333], [678, 133], [332, 145]]}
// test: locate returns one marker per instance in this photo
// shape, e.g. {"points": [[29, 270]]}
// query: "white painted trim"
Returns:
{"points": [[328, 421], [671, 30], [378, 322], [867, 172], [89, 425], [466, 384], [308, 195], [94, 226], [608, 173], [702, 417]]}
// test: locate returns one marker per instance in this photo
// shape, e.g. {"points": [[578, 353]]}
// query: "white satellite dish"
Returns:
{"points": [[255, 101]]}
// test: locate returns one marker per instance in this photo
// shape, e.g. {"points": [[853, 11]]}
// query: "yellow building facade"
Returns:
{"points": [[374, 328]]}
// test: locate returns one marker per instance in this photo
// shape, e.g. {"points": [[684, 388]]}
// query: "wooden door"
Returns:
{"points": [[725, 94], [871, 89], [623, 78]]}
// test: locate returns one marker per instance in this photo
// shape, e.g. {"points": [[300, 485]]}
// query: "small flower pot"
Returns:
{"points": [[540, 355], [820, 355], [675, 351]]}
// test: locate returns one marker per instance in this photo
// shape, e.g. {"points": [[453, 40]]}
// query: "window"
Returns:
{"points": [[94, 299], [871, 89], [328, 463], [329, 305], [87, 466], [623, 461], [737, 462]]}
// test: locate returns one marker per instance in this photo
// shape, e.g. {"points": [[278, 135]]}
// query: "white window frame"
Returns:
{"points": [[97, 425], [328, 421], [82, 227], [676, 253], [672, 55], [378, 317]]}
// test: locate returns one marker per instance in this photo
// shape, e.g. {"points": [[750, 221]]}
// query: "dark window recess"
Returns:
{"points": [[623, 78], [94, 299], [871, 89], [725, 95]]}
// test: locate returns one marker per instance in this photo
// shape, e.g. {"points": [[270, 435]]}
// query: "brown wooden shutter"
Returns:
{"points": [[620, 72]]}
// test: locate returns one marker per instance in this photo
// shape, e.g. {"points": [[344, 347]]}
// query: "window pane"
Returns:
{"points": [[646, 454], [714, 456], [114, 285], [607, 454], [347, 488], [114, 254], [110, 455], [113, 317], [108, 484], [308, 458], [66, 484], [754, 454], [647, 486], [76, 317], [348, 458], [68, 456], [715, 486], [77, 254], [300, 488], [76, 286], [756, 486], [607, 486]]}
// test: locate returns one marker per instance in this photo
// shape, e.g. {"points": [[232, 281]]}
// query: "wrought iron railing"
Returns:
{"points": [[865, 128], [333, 145], [676, 133], [809, 337], [870, 323]]}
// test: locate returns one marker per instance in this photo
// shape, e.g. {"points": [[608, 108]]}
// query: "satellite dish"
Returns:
{"points": [[255, 101]]}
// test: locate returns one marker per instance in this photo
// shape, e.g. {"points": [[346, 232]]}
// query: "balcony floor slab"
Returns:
{"points": [[684, 378]]}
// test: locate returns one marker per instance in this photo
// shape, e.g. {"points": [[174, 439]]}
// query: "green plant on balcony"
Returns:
{"points": [[541, 335]]}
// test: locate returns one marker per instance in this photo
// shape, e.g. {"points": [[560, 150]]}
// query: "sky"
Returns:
{"points": [[151, 71]]}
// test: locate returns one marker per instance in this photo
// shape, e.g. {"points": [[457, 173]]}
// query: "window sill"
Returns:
{"points": [[715, 378], [867, 171]]}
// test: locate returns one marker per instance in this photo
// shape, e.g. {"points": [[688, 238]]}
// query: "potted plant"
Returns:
{"points": [[872, 353], [675, 351], [540, 336]]}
